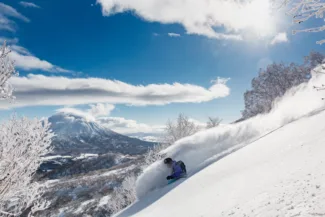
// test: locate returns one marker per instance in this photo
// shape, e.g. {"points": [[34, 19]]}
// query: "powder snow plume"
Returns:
{"points": [[203, 148]]}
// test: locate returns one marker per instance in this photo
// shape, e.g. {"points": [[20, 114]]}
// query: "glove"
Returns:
{"points": [[169, 177]]}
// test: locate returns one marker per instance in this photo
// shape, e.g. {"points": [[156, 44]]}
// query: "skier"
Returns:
{"points": [[178, 170]]}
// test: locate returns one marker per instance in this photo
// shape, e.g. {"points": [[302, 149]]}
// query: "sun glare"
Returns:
{"points": [[257, 17]]}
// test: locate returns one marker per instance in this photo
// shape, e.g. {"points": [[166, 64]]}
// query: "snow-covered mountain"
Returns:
{"points": [[88, 162], [270, 165], [75, 134]]}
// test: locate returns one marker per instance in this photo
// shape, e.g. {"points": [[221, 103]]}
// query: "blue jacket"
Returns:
{"points": [[177, 171]]}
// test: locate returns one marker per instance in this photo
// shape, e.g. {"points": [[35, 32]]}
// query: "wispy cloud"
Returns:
{"points": [[280, 38], [220, 19], [101, 109], [25, 60], [128, 126], [57, 90], [8, 40], [95, 111], [9, 11], [77, 112], [22, 57], [29, 4], [6, 14], [6, 24], [171, 34]]}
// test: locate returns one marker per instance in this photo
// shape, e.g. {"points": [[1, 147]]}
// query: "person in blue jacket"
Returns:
{"points": [[178, 169]]}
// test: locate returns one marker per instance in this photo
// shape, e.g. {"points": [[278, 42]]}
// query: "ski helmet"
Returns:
{"points": [[168, 160]]}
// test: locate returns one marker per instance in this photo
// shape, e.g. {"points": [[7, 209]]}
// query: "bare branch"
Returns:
{"points": [[213, 122]]}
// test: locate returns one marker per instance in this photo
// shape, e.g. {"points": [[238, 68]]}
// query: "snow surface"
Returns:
{"points": [[280, 172], [104, 200], [83, 205], [53, 157], [86, 156]]}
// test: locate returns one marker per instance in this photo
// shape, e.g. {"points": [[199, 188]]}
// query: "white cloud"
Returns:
{"points": [[157, 138], [57, 90], [22, 57], [101, 109], [171, 34], [95, 111], [7, 12], [29, 4], [8, 40], [85, 115], [280, 38], [20, 50], [26, 61], [202, 17], [6, 24], [127, 126]]}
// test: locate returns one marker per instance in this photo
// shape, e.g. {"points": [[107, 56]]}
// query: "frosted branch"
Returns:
{"points": [[7, 70], [22, 143], [303, 10]]}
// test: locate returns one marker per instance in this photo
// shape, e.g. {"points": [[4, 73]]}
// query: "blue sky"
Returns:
{"points": [[145, 46]]}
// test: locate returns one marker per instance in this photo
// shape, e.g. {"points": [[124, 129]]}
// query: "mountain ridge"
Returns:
{"points": [[74, 134]]}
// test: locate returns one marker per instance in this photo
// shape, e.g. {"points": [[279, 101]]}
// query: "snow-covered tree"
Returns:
{"points": [[183, 127], [274, 81], [303, 10], [22, 144], [154, 154], [7, 70], [213, 122], [123, 195]]}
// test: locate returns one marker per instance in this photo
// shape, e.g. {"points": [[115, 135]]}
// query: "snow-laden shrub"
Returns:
{"points": [[22, 144], [213, 122], [182, 127], [123, 195], [274, 81]]}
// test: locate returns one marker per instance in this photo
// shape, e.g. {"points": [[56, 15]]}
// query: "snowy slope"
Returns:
{"points": [[281, 171], [282, 174]]}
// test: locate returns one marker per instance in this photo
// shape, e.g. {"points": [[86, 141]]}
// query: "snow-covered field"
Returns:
{"points": [[279, 170]]}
